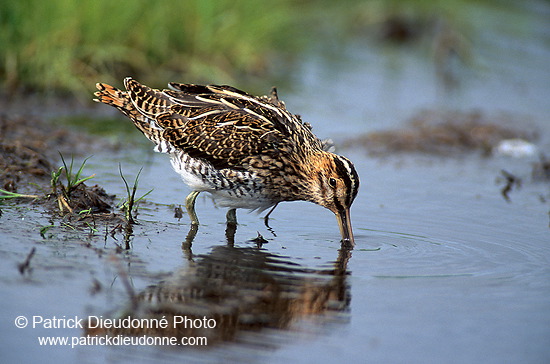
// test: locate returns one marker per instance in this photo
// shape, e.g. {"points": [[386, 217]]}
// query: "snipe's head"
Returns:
{"points": [[335, 186]]}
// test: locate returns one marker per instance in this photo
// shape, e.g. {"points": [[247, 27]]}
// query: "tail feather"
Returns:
{"points": [[110, 95]]}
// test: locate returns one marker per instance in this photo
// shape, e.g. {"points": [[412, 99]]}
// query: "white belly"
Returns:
{"points": [[251, 202], [242, 190]]}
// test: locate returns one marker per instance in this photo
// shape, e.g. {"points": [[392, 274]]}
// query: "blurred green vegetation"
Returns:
{"points": [[66, 46]]}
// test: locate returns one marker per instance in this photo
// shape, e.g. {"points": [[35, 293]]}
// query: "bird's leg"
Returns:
{"points": [[266, 217], [232, 216], [190, 206]]}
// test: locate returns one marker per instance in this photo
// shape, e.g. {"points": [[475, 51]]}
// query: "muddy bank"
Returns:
{"points": [[447, 133], [29, 148], [36, 165]]}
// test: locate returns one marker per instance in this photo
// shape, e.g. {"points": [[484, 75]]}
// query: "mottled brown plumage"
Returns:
{"points": [[248, 151]]}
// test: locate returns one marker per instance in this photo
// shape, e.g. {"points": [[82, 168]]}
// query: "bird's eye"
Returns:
{"points": [[332, 182]]}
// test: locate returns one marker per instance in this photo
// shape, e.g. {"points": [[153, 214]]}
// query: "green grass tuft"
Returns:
{"points": [[130, 204]]}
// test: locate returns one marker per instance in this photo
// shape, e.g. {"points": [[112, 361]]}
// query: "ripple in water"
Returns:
{"points": [[401, 255]]}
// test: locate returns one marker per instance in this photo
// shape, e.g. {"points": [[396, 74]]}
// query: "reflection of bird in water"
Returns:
{"points": [[240, 288], [248, 152]]}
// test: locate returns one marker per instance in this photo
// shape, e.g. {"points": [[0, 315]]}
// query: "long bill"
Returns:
{"points": [[344, 222]]}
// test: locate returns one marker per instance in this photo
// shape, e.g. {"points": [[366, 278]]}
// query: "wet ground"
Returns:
{"points": [[452, 256]]}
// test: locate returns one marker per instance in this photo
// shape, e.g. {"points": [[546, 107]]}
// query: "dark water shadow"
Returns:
{"points": [[232, 289]]}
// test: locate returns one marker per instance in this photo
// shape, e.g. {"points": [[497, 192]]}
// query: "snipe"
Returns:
{"points": [[248, 152]]}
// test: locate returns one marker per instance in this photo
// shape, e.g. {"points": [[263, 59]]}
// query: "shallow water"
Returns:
{"points": [[444, 268]]}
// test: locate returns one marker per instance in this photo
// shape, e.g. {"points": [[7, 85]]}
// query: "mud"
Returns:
{"points": [[30, 149], [446, 133], [25, 152]]}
